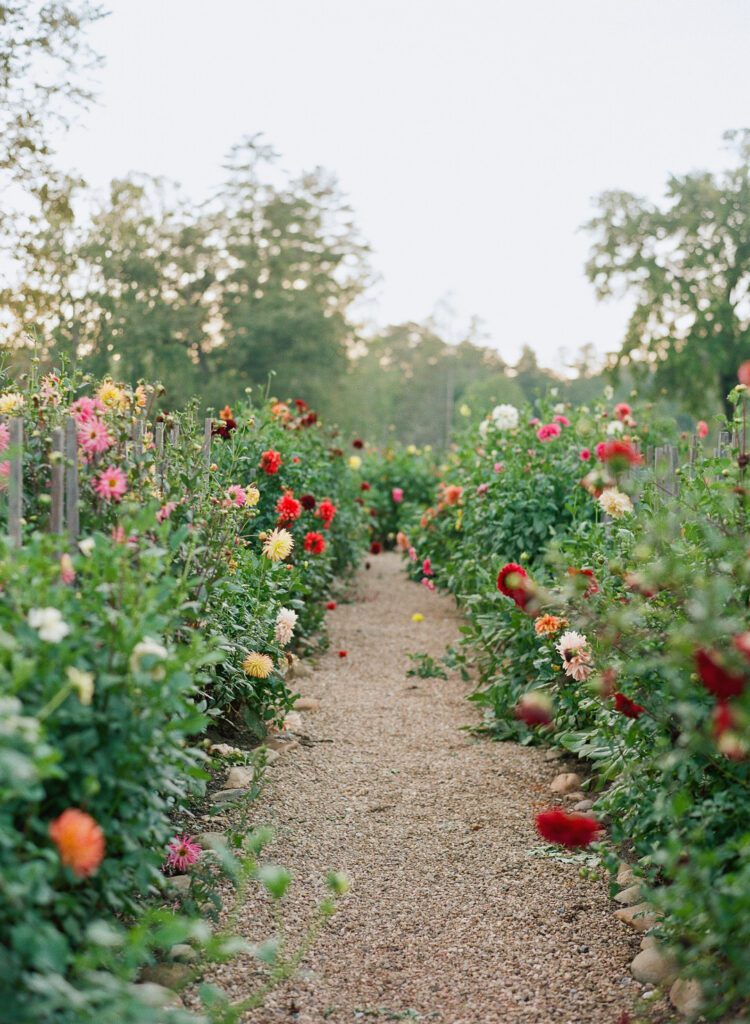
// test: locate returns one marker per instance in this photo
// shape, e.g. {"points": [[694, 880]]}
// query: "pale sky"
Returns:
{"points": [[468, 135]]}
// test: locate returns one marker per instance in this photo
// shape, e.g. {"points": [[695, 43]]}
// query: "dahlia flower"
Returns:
{"points": [[397, 495], [452, 494], [314, 543], [717, 679], [701, 428], [49, 624], [93, 436], [271, 461], [504, 417], [4, 437], [622, 410], [112, 397], [615, 503], [571, 830], [585, 454], [534, 708], [11, 402], [513, 581], [235, 496], [166, 511], [286, 620], [82, 683], [326, 512], [259, 666], [85, 408], [615, 427], [148, 648], [548, 431], [355, 462], [575, 652], [625, 706], [67, 570], [278, 545], [548, 625], [182, 852], [79, 841], [252, 495], [288, 508], [111, 484]]}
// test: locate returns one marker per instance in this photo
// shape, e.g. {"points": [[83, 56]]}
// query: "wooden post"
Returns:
{"points": [[57, 466], [71, 481], [138, 439], [207, 430], [174, 435], [15, 482], [159, 445]]}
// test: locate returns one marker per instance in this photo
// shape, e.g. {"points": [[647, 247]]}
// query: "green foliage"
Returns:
{"points": [[687, 264], [662, 583]]}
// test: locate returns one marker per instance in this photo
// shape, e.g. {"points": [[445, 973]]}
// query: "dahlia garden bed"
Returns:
{"points": [[606, 601], [195, 559]]}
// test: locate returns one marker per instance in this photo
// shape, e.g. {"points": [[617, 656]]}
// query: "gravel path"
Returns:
{"points": [[451, 917]]}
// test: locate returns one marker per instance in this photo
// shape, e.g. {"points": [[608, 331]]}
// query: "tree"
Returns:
{"points": [[687, 264], [44, 58], [293, 265]]}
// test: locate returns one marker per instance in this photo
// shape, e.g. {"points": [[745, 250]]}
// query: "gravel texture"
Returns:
{"points": [[453, 915]]}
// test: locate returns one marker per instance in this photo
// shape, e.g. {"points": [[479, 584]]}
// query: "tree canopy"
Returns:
{"points": [[687, 265]]}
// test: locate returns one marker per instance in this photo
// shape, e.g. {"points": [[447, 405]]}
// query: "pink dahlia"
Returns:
{"points": [[548, 431], [93, 436], [111, 484], [182, 852]]}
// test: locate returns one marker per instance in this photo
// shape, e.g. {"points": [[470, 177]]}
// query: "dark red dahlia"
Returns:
{"points": [[571, 830], [628, 707], [314, 543], [376, 547], [534, 709], [308, 501], [364, 486], [513, 581], [301, 404], [717, 679], [357, 443]]}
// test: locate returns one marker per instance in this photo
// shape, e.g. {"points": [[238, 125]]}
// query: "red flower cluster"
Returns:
{"points": [[307, 501], [271, 461], [512, 580], [618, 454], [364, 486], [716, 678], [571, 830], [314, 543], [326, 512], [288, 508], [593, 587], [628, 707]]}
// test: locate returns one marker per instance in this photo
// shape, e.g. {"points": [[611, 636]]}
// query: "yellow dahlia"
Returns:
{"points": [[112, 396], [277, 545], [258, 665], [252, 495]]}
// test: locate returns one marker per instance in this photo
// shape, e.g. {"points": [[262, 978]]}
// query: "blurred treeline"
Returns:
{"points": [[257, 287]]}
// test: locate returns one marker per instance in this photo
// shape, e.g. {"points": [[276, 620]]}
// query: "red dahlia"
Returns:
{"points": [[628, 707], [326, 512], [376, 547], [513, 581], [717, 679], [569, 830], [314, 543], [364, 486], [308, 501], [357, 443], [618, 454], [270, 461], [593, 586], [288, 508]]}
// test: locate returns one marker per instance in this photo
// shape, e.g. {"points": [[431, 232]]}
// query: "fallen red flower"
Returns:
{"points": [[571, 830], [376, 547], [330, 605], [343, 654]]}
